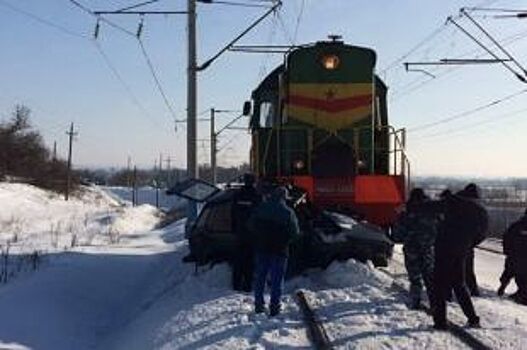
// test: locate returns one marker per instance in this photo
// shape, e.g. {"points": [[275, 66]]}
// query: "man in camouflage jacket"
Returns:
{"points": [[416, 229]]}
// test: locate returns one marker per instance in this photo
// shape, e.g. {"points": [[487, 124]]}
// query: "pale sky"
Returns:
{"points": [[47, 65]]}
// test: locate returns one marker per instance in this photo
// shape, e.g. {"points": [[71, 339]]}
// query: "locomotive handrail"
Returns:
{"points": [[398, 149]]}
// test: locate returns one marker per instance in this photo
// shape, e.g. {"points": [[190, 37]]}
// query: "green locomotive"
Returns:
{"points": [[320, 121]]}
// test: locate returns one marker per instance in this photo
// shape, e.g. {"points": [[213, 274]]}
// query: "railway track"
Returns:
{"points": [[321, 341], [316, 332]]}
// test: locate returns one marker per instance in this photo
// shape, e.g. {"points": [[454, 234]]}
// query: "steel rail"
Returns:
{"points": [[316, 331]]}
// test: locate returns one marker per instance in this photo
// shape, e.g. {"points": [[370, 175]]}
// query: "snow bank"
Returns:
{"points": [[353, 273], [34, 219]]}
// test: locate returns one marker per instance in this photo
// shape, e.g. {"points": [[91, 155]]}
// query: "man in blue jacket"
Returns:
{"points": [[274, 226]]}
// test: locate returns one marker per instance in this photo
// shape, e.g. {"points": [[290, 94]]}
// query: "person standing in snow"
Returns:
{"points": [[463, 222], [416, 228], [471, 193], [274, 226], [246, 200], [515, 248]]}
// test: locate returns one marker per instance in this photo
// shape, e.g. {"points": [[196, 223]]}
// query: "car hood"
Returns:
{"points": [[352, 229]]}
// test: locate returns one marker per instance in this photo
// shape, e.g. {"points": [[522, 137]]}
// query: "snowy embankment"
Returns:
{"points": [[32, 219]]}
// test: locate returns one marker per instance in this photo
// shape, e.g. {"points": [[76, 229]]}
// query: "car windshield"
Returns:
{"points": [[326, 223]]}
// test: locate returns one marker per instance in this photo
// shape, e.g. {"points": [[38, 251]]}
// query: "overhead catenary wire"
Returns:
{"points": [[494, 41], [141, 4], [493, 119], [235, 3], [119, 77], [101, 18], [100, 50], [156, 79], [468, 112], [144, 53], [416, 84], [299, 20], [400, 59], [41, 19]]}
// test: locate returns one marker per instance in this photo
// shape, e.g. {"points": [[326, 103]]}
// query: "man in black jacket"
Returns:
{"points": [[245, 201], [515, 248], [471, 192], [458, 233]]}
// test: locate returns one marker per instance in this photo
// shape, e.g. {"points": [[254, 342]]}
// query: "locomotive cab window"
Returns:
{"points": [[267, 112]]}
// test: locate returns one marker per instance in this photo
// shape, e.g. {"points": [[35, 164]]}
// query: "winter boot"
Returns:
{"points": [[259, 309], [501, 290], [440, 326], [274, 310], [474, 322]]}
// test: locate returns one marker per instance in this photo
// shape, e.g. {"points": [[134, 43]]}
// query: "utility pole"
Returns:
{"points": [[169, 176], [156, 182], [213, 150], [71, 135], [128, 169], [55, 151], [192, 164], [134, 187]]}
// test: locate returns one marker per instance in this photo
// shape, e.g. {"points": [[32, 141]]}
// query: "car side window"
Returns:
{"points": [[220, 218]]}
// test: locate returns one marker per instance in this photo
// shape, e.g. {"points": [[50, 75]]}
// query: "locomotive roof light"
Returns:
{"points": [[299, 164], [331, 62]]}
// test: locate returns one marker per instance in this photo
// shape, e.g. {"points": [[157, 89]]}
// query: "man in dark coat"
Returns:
{"points": [[515, 248], [274, 226], [459, 231], [416, 228], [245, 201], [471, 192]]}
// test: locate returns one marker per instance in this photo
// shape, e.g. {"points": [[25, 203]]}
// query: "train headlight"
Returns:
{"points": [[331, 62], [299, 164]]}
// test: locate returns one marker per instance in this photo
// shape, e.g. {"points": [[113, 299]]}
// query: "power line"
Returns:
{"points": [[467, 113], [234, 3], [105, 57], [285, 30], [144, 53], [156, 79], [298, 20], [492, 120], [137, 5], [428, 38], [100, 18], [41, 19], [118, 76], [418, 83]]}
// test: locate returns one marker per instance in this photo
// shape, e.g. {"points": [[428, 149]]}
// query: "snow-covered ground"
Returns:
{"points": [[32, 219], [504, 322], [134, 292]]}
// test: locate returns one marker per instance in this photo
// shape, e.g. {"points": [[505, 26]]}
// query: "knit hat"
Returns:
{"points": [[471, 191]]}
